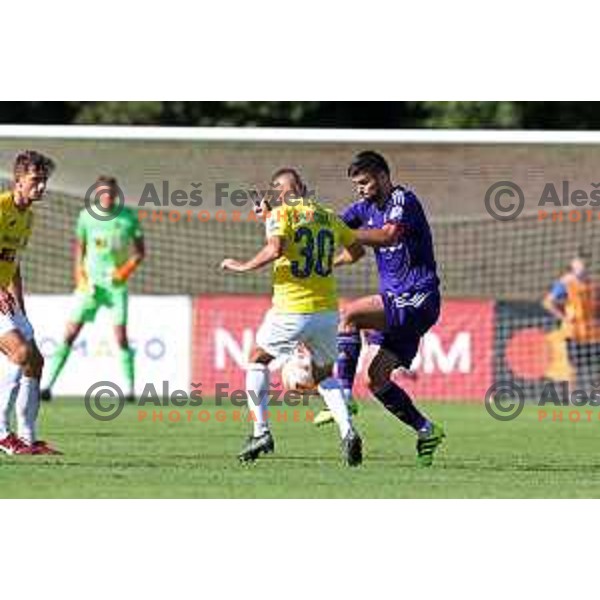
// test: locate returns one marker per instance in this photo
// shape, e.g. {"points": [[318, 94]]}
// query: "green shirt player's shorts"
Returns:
{"points": [[107, 245], [87, 303]]}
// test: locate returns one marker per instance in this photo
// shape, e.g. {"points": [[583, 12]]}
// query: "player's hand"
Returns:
{"points": [[261, 208], [117, 277], [7, 303], [81, 280], [123, 273], [83, 286], [257, 208], [230, 264]]}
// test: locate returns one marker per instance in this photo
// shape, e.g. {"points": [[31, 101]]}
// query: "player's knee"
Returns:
{"points": [[372, 382], [259, 356], [37, 363], [21, 355], [121, 337], [321, 372], [71, 334]]}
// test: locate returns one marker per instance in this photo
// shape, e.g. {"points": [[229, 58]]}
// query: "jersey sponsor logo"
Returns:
{"points": [[387, 251], [395, 213], [404, 300]]}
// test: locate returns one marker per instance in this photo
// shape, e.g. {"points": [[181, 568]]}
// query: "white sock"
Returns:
{"points": [[257, 388], [9, 385], [331, 390], [28, 402], [347, 393]]}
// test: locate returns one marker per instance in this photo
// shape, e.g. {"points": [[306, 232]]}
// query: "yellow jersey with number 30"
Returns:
{"points": [[15, 230], [303, 278]]}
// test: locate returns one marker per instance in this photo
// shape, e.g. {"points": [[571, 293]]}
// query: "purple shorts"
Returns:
{"points": [[408, 318]]}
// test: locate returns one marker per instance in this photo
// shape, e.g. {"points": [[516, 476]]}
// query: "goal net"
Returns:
{"points": [[191, 322]]}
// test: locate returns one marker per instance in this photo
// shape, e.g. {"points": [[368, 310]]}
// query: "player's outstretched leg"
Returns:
{"points": [[59, 359], [331, 390], [126, 354], [428, 442], [429, 435], [257, 388], [349, 345], [128, 365], [28, 406], [256, 445]]}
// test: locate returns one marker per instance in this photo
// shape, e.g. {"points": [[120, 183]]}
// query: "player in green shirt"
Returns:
{"points": [[107, 252]]}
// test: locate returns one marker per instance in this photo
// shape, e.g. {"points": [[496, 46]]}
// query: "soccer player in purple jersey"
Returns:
{"points": [[391, 220]]}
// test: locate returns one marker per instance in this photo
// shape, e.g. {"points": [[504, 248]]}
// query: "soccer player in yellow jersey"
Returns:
{"points": [[575, 300], [302, 239], [20, 386]]}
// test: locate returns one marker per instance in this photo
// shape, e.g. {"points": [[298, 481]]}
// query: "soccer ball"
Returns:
{"points": [[296, 372]]}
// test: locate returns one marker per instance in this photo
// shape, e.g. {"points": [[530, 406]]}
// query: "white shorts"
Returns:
{"points": [[280, 333], [17, 321]]}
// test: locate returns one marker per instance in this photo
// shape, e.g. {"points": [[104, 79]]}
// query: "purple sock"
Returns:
{"points": [[398, 402], [348, 353]]}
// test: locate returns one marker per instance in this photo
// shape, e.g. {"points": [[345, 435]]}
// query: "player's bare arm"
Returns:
{"points": [[389, 235], [555, 304], [554, 307], [79, 274], [349, 255], [270, 252], [139, 251]]}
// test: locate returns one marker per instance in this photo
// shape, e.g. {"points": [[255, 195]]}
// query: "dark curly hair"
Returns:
{"points": [[31, 159]]}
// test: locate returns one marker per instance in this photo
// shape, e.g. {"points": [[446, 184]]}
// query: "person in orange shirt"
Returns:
{"points": [[575, 300]]}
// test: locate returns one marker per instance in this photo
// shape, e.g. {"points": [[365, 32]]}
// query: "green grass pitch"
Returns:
{"points": [[126, 458]]}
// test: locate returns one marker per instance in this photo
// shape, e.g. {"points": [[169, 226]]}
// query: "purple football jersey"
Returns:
{"points": [[408, 266]]}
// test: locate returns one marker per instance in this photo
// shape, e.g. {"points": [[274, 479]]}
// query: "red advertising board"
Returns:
{"points": [[455, 360]]}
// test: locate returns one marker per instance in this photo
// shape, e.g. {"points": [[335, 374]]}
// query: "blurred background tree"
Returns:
{"points": [[487, 115]]}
